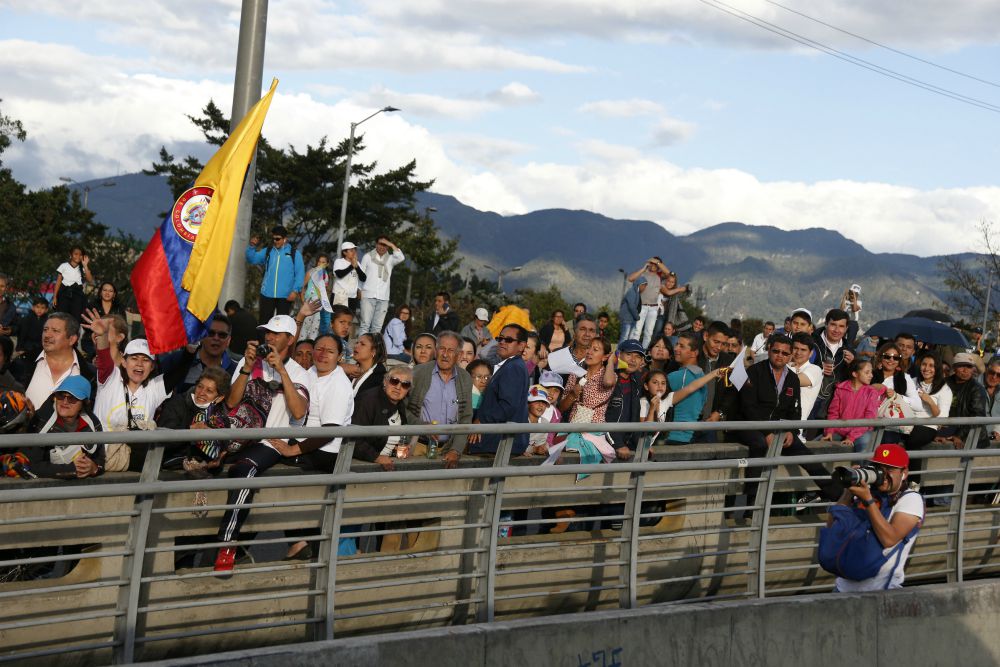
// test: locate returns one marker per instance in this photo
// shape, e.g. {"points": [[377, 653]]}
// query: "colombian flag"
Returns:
{"points": [[178, 278]]}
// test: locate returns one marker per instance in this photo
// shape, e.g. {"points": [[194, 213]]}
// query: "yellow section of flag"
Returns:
{"points": [[224, 173]]}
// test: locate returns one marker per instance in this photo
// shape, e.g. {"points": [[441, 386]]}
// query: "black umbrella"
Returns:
{"points": [[920, 328], [930, 314]]}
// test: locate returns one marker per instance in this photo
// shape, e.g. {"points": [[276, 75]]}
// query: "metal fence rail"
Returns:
{"points": [[670, 531]]}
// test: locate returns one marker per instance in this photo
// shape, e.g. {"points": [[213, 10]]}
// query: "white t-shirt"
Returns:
{"points": [[71, 275], [942, 398], [908, 503], [346, 287], [331, 401], [278, 415], [666, 403], [808, 394], [374, 286], [113, 402]]}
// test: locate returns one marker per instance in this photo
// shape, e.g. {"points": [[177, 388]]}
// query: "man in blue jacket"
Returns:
{"points": [[284, 273], [506, 396]]}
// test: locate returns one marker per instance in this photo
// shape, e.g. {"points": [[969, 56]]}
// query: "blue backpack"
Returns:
{"points": [[850, 549]]}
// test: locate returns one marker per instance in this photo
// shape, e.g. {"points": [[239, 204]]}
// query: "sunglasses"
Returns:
{"points": [[507, 339], [217, 334], [67, 398], [277, 238], [891, 357], [396, 382], [993, 373]]}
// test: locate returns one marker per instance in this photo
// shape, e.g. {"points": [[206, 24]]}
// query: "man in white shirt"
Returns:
{"points": [[759, 345], [377, 268], [810, 375], [58, 359], [287, 384]]}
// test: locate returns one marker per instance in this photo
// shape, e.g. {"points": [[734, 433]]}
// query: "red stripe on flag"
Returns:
{"points": [[154, 292]]}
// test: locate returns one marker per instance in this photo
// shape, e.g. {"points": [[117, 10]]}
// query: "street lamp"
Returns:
{"points": [[86, 188], [347, 176], [501, 273]]}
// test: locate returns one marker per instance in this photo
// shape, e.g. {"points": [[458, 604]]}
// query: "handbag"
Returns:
{"points": [[896, 408], [118, 455]]}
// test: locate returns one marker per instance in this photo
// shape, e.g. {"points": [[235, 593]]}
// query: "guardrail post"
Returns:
{"points": [[127, 624], [492, 502], [956, 522], [762, 519], [629, 548], [330, 524]]}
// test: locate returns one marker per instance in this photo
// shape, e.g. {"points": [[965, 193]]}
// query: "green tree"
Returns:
{"points": [[38, 227]]}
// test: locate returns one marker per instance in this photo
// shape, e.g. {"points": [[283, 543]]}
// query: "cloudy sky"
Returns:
{"points": [[679, 111]]}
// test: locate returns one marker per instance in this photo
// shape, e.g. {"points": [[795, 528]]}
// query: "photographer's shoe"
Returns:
{"points": [[225, 560]]}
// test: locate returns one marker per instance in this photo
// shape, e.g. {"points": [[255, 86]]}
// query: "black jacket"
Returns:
{"points": [[447, 322], [828, 382], [615, 413], [969, 399], [373, 408], [720, 397], [759, 397]]}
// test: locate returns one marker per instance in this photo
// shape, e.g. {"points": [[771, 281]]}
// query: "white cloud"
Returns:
{"points": [[514, 93], [621, 108]]}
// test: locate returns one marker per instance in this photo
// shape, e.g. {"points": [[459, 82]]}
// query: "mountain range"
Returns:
{"points": [[736, 270]]}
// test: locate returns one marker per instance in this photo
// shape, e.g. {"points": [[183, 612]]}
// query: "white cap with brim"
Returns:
{"points": [[482, 315], [138, 346], [347, 245], [280, 324]]}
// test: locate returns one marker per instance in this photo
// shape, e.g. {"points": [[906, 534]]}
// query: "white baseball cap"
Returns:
{"points": [[347, 245], [138, 346], [482, 315], [280, 324]]}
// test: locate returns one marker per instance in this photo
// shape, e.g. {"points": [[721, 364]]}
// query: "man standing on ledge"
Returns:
{"points": [[377, 267]]}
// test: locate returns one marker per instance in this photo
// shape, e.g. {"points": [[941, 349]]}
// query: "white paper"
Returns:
{"points": [[554, 453], [561, 361], [738, 376]]}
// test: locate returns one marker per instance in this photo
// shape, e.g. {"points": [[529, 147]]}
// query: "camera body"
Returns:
{"points": [[263, 350], [871, 474]]}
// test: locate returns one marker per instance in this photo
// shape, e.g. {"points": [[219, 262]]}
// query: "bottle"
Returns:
{"points": [[432, 445]]}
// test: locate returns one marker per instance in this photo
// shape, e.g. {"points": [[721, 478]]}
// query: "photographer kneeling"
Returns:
{"points": [[872, 527]]}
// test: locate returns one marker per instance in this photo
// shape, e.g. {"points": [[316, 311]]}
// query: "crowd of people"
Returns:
{"points": [[320, 353]]}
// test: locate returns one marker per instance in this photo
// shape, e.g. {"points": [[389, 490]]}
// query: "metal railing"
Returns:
{"points": [[680, 539]]}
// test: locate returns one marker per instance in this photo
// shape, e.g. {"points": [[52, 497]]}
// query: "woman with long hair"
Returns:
{"points": [[554, 334], [587, 398], [106, 304], [889, 373], [316, 287], [855, 398], [397, 331], [935, 401], [661, 354], [369, 355]]}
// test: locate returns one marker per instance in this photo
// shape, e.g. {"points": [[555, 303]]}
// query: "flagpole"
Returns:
{"points": [[246, 93]]}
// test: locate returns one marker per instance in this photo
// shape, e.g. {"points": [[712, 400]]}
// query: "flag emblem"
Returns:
{"points": [[189, 212]]}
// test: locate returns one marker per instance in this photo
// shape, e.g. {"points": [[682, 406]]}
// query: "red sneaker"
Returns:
{"points": [[225, 560]]}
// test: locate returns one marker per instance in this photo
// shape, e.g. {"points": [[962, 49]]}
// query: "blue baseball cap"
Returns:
{"points": [[75, 385], [631, 345]]}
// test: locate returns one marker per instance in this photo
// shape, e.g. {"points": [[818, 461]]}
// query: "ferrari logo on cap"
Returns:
{"points": [[885, 453]]}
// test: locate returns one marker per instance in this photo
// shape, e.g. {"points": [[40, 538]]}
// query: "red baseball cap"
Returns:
{"points": [[891, 455]]}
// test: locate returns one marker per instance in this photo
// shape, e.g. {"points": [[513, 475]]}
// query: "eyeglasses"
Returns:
{"points": [[783, 353], [396, 382], [891, 357], [993, 373], [217, 334], [508, 340]]}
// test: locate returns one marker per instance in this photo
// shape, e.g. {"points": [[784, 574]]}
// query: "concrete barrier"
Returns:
{"points": [[928, 625]]}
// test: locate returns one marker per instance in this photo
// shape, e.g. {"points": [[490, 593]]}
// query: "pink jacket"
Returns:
{"points": [[849, 404]]}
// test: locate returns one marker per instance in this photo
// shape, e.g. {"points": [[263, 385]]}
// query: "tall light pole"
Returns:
{"points": [[246, 92], [86, 188], [501, 273], [347, 176]]}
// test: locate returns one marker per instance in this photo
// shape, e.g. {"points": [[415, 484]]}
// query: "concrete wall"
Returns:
{"points": [[926, 625]]}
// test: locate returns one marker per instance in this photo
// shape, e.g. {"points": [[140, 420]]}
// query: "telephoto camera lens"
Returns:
{"points": [[263, 350], [847, 477]]}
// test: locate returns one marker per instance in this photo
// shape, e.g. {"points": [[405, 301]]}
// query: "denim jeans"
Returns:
{"points": [[372, 315]]}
